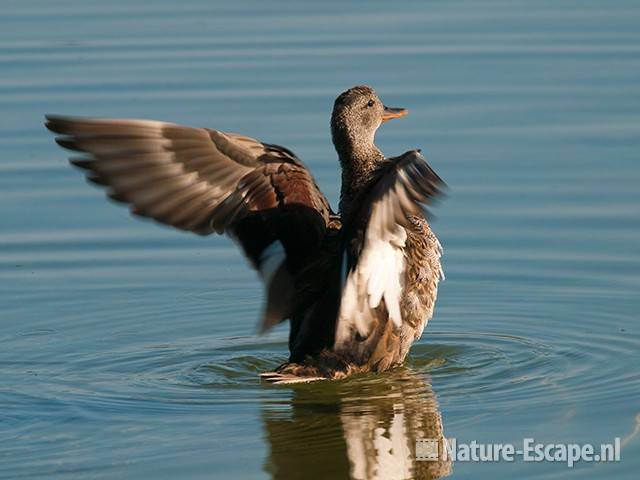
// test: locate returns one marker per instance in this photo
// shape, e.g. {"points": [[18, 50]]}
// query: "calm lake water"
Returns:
{"points": [[129, 350]]}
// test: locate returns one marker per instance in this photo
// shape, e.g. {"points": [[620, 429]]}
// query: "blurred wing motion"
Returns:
{"points": [[206, 181], [378, 258]]}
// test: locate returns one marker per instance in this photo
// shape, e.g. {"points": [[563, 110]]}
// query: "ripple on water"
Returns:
{"points": [[176, 377], [507, 371], [495, 370]]}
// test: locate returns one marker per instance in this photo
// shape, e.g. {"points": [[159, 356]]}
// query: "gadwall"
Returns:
{"points": [[358, 287]]}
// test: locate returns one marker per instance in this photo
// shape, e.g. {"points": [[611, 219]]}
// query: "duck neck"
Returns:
{"points": [[358, 161]]}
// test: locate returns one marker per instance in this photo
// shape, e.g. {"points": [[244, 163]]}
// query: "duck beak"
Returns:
{"points": [[390, 113]]}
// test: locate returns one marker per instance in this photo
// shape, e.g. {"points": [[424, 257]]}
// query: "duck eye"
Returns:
{"points": [[370, 103]]}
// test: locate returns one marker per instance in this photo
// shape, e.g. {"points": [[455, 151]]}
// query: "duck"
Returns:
{"points": [[357, 286]]}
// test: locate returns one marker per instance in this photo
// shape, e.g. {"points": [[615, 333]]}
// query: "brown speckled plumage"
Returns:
{"points": [[358, 288]]}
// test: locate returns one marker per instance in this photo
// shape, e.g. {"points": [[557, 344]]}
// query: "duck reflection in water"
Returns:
{"points": [[362, 428]]}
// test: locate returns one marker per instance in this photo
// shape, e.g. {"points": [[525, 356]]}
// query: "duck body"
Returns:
{"points": [[358, 288], [344, 324]]}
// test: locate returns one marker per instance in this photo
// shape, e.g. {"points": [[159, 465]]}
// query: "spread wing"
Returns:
{"points": [[375, 261], [206, 181]]}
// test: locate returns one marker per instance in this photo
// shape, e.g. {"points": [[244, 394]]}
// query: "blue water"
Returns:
{"points": [[128, 350]]}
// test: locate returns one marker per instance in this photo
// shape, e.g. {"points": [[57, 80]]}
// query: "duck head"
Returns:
{"points": [[357, 114]]}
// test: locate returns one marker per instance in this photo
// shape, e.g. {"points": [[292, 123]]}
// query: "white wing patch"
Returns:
{"points": [[383, 267], [379, 274], [270, 261]]}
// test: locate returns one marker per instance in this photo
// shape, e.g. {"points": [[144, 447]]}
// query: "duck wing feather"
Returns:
{"points": [[204, 181], [374, 262]]}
